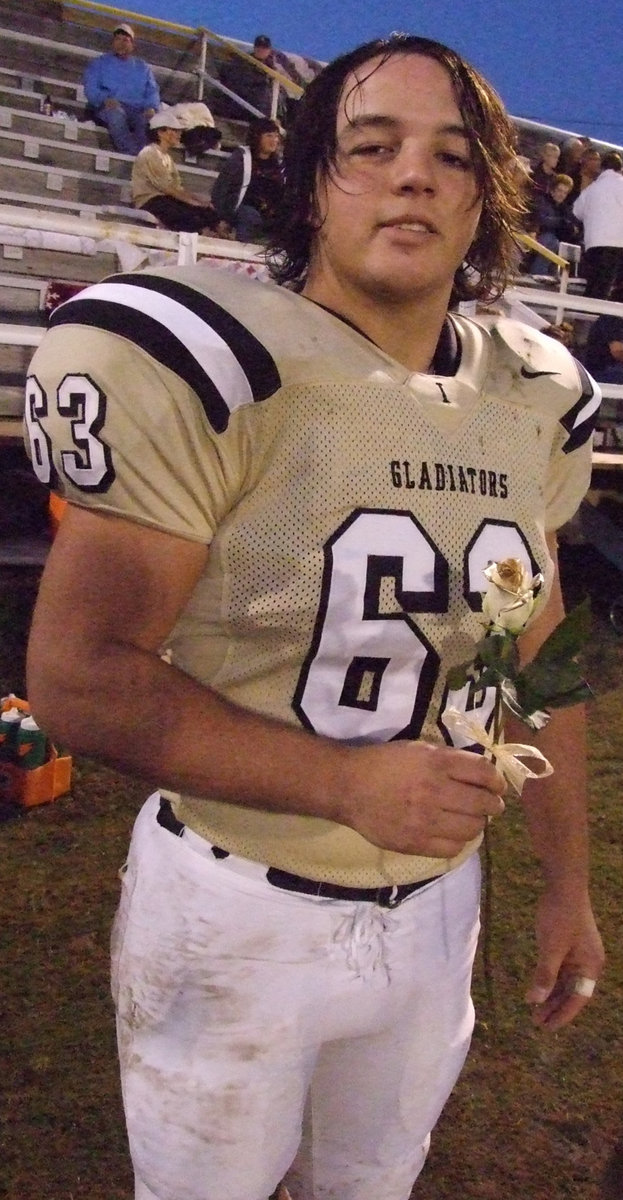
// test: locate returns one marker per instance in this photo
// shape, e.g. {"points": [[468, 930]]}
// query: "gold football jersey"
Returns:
{"points": [[350, 505]]}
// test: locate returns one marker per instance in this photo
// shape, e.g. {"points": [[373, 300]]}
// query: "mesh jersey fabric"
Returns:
{"points": [[350, 506]]}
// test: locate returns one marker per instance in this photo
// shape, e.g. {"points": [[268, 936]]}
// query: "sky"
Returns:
{"points": [[559, 62]]}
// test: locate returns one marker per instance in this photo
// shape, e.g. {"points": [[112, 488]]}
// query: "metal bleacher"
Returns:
{"points": [[65, 203], [65, 208], [65, 211]]}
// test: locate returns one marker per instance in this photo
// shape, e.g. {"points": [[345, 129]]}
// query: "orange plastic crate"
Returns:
{"points": [[37, 786]]}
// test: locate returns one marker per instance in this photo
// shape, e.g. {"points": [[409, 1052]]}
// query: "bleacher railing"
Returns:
{"points": [[204, 36], [187, 247]]}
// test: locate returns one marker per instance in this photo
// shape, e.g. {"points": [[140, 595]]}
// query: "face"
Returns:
{"points": [[560, 192], [261, 52], [169, 138], [575, 151], [550, 155], [398, 215], [122, 45], [268, 144], [591, 164]]}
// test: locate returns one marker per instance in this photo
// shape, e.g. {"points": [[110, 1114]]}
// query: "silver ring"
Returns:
{"points": [[584, 987]]}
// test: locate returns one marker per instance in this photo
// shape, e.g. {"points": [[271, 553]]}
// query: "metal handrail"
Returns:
{"points": [[140, 18], [531, 243], [203, 33]]}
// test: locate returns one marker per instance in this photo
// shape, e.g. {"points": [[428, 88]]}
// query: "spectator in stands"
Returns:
{"points": [[545, 169], [122, 92], [585, 172], [603, 355], [248, 189], [553, 222], [156, 183], [247, 81], [570, 154], [600, 209]]}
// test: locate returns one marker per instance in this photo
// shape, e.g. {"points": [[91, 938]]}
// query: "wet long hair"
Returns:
{"points": [[310, 156]]}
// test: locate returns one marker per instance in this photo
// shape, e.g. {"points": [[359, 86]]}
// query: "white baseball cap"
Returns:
{"points": [[165, 119], [124, 29]]}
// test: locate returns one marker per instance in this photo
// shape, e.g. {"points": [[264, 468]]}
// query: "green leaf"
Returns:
{"points": [[533, 693], [549, 678], [576, 695], [569, 636]]}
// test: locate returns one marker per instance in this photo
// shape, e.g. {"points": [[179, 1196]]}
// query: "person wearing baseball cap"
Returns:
{"points": [[157, 185], [122, 93], [251, 84]]}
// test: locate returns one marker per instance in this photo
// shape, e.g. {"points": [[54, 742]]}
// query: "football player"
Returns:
{"points": [[294, 492]]}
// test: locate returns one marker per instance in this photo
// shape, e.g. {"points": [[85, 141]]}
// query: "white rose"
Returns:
{"points": [[509, 600]]}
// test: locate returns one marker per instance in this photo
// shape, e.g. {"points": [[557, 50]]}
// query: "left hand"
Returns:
{"points": [[569, 949]]}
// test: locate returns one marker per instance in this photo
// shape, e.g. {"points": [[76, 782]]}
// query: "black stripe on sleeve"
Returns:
{"points": [[156, 340], [580, 434], [253, 357]]}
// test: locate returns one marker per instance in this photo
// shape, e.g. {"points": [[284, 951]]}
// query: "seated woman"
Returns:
{"points": [[156, 183], [247, 190]]}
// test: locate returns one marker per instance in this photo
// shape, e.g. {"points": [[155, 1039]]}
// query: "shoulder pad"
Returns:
{"points": [[533, 354], [536, 370]]}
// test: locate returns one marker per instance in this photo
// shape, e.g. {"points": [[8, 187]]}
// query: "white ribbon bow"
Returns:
{"points": [[507, 754]]}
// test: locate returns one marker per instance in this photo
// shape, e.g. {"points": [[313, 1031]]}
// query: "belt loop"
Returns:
{"points": [[394, 899]]}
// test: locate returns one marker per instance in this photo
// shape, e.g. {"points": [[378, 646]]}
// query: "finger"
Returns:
{"points": [[473, 802], [559, 1010], [559, 1006], [466, 767]]}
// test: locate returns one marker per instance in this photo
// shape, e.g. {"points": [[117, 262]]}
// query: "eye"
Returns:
{"points": [[370, 150], [459, 161]]}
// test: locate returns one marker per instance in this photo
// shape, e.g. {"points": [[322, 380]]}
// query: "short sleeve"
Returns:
{"points": [[111, 429], [571, 461], [136, 401]]}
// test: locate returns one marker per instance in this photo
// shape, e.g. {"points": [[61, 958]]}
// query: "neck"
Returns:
{"points": [[406, 329]]}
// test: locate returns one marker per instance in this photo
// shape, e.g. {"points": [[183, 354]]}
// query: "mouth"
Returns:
{"points": [[410, 225]]}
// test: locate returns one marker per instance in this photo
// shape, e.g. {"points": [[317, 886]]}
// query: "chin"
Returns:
{"points": [[399, 288]]}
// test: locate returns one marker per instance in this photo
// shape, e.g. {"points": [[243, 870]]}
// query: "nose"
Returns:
{"points": [[413, 169]]}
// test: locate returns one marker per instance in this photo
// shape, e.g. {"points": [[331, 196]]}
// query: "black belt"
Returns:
{"points": [[386, 897]]}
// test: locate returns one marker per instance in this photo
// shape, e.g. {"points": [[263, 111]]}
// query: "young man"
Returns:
{"points": [[294, 943], [122, 92]]}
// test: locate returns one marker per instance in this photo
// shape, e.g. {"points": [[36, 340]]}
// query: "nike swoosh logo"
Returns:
{"points": [[536, 374]]}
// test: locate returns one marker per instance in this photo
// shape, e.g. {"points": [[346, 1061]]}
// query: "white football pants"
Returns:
{"points": [[246, 1013]]}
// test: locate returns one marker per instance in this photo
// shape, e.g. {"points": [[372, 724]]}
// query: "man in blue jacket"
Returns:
{"points": [[122, 92]]}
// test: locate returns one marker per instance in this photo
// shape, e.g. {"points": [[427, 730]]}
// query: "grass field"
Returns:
{"points": [[534, 1117]]}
